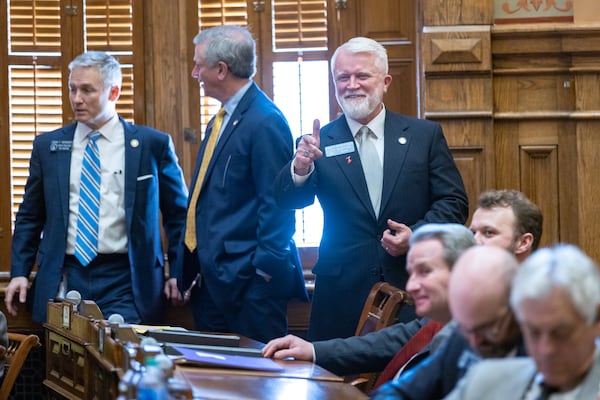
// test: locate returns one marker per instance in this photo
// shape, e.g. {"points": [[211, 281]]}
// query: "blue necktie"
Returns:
{"points": [[86, 239]]}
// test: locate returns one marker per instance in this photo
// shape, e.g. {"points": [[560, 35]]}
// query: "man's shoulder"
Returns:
{"points": [[503, 369], [58, 133]]}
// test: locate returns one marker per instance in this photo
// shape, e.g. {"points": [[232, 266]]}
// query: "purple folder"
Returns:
{"points": [[227, 360]]}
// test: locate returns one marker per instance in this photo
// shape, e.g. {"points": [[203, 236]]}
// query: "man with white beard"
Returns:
{"points": [[378, 176]]}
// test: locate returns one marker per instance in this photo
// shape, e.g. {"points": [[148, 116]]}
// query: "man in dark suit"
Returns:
{"points": [[238, 242], [403, 177], [138, 180], [433, 250]]}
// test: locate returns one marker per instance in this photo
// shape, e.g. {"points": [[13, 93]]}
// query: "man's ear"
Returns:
{"points": [[223, 69], [524, 243]]}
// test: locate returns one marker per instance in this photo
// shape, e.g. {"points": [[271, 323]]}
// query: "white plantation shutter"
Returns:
{"points": [[42, 40]]}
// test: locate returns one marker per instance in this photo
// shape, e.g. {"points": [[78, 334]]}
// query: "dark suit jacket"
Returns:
{"points": [[421, 184], [239, 227], [373, 351], [42, 220], [437, 375]]}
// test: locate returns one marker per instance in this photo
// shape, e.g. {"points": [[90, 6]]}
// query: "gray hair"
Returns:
{"points": [[563, 266], [231, 44], [455, 239], [364, 45], [107, 65]]}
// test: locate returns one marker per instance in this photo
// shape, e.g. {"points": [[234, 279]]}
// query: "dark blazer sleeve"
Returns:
{"points": [[288, 195], [173, 204], [30, 218], [448, 198], [368, 353]]}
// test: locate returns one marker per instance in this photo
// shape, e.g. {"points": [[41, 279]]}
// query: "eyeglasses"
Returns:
{"points": [[488, 330]]}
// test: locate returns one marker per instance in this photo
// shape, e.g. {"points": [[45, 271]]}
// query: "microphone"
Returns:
{"points": [[74, 297], [115, 320]]}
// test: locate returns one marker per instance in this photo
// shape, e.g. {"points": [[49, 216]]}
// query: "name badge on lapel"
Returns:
{"points": [[61, 145], [341, 148]]}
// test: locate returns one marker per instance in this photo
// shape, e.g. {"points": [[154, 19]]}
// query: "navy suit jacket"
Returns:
{"points": [[421, 184], [42, 220], [239, 227], [436, 376]]}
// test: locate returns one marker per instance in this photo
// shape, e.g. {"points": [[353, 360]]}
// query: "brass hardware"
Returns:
{"points": [[341, 4], [71, 10], [258, 6]]}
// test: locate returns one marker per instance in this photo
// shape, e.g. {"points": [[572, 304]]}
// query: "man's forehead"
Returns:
{"points": [[497, 215], [426, 249]]}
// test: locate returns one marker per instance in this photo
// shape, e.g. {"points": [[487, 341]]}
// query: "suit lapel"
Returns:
{"points": [[133, 151], [349, 163], [228, 130], [397, 141], [64, 174]]}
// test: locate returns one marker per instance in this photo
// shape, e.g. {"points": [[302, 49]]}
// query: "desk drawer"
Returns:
{"points": [[66, 364]]}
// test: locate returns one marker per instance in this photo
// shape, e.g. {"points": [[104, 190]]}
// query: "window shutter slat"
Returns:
{"points": [[299, 25], [34, 26], [35, 107]]}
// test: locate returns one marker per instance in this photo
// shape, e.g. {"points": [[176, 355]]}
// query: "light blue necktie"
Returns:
{"points": [[86, 239], [371, 167]]}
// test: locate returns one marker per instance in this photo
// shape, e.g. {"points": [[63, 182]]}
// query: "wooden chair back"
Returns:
{"points": [[381, 309], [18, 349]]}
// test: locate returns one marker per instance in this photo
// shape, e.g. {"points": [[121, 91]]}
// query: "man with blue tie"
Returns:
{"points": [[241, 266], [90, 217]]}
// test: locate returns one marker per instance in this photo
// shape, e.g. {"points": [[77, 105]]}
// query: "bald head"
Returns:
{"points": [[482, 273], [479, 291]]}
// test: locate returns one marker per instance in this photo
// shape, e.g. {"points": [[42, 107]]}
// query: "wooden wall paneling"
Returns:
{"points": [[539, 180], [582, 151], [472, 167], [569, 183], [506, 149], [471, 142], [5, 184], [171, 104], [401, 96], [458, 93], [394, 24], [457, 12], [588, 165]]}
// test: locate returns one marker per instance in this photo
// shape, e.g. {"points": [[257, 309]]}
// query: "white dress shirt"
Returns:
{"points": [[112, 232]]}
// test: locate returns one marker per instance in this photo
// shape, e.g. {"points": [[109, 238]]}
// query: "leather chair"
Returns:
{"points": [[381, 309], [19, 346]]}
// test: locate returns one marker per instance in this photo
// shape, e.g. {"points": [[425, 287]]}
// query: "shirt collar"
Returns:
{"points": [[234, 100], [109, 130], [376, 125]]}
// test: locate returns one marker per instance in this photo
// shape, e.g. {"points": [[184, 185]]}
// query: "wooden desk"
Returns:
{"points": [[299, 380]]}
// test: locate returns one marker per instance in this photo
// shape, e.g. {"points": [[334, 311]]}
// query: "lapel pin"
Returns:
{"points": [[348, 159], [402, 140], [134, 143]]}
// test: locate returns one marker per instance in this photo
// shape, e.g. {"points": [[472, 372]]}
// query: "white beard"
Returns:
{"points": [[358, 108]]}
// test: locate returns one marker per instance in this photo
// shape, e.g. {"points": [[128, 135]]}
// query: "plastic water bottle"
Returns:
{"points": [[153, 385]]}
